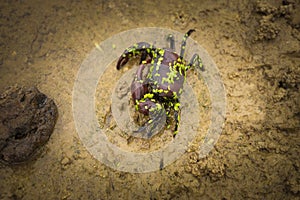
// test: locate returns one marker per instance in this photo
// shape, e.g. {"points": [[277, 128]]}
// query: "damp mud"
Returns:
{"points": [[256, 47]]}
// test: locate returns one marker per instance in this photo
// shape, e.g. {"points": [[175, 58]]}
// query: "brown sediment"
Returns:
{"points": [[255, 45]]}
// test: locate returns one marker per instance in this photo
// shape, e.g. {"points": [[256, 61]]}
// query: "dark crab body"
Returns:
{"points": [[160, 88]]}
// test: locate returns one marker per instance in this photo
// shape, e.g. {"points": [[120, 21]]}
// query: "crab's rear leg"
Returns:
{"points": [[176, 117], [143, 48], [170, 38], [183, 43], [196, 62]]}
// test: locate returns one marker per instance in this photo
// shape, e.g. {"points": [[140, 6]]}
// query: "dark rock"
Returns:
{"points": [[27, 119]]}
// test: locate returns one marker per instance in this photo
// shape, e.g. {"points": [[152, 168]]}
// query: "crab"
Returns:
{"points": [[158, 90]]}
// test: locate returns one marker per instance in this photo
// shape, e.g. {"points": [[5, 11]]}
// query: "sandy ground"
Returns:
{"points": [[256, 46]]}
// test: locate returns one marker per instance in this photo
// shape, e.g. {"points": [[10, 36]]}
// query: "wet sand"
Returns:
{"points": [[256, 46]]}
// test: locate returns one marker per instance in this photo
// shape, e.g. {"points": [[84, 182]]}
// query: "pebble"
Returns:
{"points": [[65, 161]]}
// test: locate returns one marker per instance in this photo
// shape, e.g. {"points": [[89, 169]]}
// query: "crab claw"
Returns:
{"points": [[143, 48], [122, 61], [138, 86]]}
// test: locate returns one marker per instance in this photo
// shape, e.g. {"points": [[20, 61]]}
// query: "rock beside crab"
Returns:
{"points": [[27, 120]]}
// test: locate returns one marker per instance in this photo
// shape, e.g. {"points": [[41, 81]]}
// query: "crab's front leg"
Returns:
{"points": [[143, 48]]}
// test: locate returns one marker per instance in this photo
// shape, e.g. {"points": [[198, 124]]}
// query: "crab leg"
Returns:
{"points": [[177, 119], [143, 48], [157, 117], [172, 41], [183, 43], [196, 62]]}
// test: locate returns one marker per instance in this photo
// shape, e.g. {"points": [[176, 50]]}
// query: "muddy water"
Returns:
{"points": [[256, 46]]}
